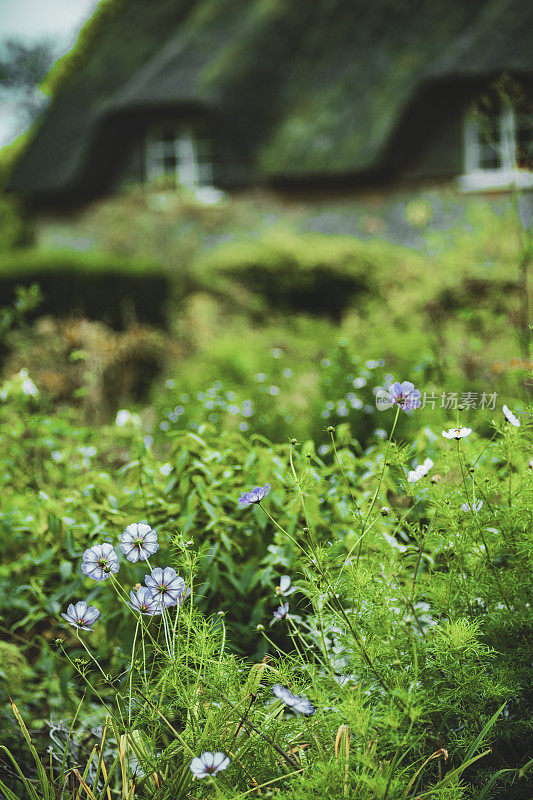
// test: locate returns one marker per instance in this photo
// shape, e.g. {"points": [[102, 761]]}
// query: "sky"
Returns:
{"points": [[29, 21]]}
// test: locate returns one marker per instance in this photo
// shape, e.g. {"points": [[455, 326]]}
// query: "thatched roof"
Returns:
{"points": [[303, 88]]}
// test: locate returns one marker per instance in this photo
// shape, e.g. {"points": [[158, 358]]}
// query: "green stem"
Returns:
{"points": [[380, 480]]}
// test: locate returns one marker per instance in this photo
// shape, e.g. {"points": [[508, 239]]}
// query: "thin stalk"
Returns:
{"points": [[380, 480], [489, 560]]}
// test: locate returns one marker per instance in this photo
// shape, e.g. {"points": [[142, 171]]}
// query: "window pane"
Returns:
{"points": [[490, 142], [524, 144]]}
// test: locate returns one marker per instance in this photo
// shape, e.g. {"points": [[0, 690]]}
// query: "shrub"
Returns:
{"points": [[307, 273], [99, 286]]}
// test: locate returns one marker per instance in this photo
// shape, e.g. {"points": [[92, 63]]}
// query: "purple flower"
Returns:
{"points": [[295, 701], [457, 433], [138, 541], [282, 611], [284, 587], [404, 395], [165, 585], [474, 507], [99, 562], [142, 600], [255, 495], [209, 764], [81, 615], [510, 417]]}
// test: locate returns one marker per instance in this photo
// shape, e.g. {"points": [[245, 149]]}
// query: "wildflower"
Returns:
{"points": [[255, 495], [414, 475], [284, 587], [404, 395], [282, 611], [138, 541], [474, 507], [99, 562], [295, 701], [510, 417], [165, 585], [457, 433], [142, 600], [209, 764], [81, 615], [385, 511]]}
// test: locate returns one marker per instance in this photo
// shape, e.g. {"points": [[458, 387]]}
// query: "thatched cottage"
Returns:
{"points": [[323, 96]]}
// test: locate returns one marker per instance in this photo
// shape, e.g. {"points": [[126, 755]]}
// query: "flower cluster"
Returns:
{"points": [[164, 587]]}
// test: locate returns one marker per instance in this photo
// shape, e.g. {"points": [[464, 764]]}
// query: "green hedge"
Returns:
{"points": [[98, 285], [305, 273]]}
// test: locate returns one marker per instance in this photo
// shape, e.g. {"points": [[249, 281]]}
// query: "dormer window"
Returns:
{"points": [[498, 145], [180, 154]]}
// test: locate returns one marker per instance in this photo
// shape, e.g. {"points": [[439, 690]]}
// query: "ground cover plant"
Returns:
{"points": [[386, 591]]}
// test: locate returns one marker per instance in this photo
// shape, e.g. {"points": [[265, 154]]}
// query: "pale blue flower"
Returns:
{"points": [[209, 764], [138, 541], [297, 702], [165, 585], [142, 600], [99, 562], [81, 616], [282, 611]]}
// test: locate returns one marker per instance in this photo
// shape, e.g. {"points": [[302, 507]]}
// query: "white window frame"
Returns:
{"points": [[507, 176], [192, 169]]}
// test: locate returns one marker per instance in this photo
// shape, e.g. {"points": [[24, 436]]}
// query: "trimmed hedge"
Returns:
{"points": [[96, 285], [306, 273]]}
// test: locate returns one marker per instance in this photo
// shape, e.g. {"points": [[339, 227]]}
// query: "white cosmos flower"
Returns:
{"points": [[284, 587], [457, 433], [474, 507], [209, 764], [510, 417], [414, 475]]}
